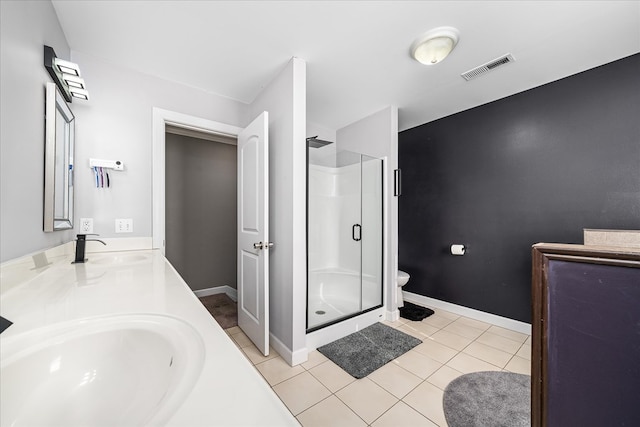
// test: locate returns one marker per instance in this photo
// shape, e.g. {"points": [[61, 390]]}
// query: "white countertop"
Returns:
{"points": [[229, 391]]}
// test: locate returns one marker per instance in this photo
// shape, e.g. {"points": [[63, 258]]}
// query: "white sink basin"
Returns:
{"points": [[108, 371], [117, 259]]}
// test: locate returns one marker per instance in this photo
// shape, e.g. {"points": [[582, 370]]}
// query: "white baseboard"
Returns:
{"points": [[504, 322], [285, 352], [225, 289], [394, 315]]}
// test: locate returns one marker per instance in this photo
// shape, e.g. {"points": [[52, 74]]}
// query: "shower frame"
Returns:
{"points": [[382, 247]]}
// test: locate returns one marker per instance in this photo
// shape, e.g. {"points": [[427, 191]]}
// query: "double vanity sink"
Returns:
{"points": [[120, 341]]}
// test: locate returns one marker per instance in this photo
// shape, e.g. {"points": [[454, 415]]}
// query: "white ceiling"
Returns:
{"points": [[357, 52]]}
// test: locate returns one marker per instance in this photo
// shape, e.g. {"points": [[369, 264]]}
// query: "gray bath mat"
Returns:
{"points": [[488, 399], [364, 351]]}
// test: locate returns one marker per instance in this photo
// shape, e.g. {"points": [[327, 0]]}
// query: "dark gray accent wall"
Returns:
{"points": [[201, 210], [538, 166]]}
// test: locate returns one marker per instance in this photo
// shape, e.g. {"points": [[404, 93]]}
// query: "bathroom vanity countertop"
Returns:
{"points": [[229, 391]]}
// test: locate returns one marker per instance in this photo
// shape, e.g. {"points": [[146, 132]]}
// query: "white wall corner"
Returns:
{"points": [[293, 358]]}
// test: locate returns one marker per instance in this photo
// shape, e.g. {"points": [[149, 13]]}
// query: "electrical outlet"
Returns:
{"points": [[124, 225], [86, 225]]}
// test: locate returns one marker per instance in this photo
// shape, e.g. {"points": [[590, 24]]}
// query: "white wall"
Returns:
{"points": [[285, 99], [26, 26], [377, 136], [116, 123]]}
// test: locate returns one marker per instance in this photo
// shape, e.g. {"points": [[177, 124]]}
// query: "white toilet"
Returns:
{"points": [[402, 279]]}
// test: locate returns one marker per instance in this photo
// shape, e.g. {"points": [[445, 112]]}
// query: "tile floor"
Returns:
{"points": [[405, 392]]}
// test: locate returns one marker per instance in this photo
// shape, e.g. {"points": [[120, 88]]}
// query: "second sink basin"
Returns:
{"points": [[114, 370]]}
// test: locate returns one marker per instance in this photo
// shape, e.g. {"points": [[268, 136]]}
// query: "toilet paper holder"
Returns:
{"points": [[457, 249]]}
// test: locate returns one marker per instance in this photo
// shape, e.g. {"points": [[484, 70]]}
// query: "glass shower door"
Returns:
{"points": [[344, 233], [372, 229]]}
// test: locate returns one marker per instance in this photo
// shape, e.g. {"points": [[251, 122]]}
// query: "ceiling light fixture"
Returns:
{"points": [[434, 45]]}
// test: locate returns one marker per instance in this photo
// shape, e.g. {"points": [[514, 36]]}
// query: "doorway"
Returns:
{"points": [[200, 209]]}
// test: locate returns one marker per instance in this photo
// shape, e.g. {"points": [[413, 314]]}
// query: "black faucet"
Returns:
{"points": [[4, 324], [80, 245]]}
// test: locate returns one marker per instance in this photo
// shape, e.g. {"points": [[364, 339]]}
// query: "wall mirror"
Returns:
{"points": [[58, 161]]}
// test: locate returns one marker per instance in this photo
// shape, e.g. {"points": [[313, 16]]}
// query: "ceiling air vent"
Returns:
{"points": [[485, 68]]}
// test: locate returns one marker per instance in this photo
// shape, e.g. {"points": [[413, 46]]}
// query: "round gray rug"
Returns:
{"points": [[488, 399]]}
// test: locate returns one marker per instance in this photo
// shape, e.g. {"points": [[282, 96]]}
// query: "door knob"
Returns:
{"points": [[258, 245]]}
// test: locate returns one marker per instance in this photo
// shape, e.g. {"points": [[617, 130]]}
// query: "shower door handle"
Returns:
{"points": [[354, 236]]}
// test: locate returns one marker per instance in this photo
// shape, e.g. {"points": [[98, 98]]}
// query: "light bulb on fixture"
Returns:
{"points": [[73, 81], [434, 46], [67, 67]]}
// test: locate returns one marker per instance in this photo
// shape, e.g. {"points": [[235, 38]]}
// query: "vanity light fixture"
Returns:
{"points": [[434, 45], [66, 76]]}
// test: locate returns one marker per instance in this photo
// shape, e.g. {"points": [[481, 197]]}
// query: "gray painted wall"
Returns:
{"points": [[25, 28], [201, 210], [285, 100]]}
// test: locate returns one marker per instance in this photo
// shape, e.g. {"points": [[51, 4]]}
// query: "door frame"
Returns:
{"points": [[161, 118]]}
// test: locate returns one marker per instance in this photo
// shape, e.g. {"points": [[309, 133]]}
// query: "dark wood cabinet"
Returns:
{"points": [[585, 366]]}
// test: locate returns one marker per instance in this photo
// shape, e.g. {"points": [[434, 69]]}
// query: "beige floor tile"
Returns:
{"points": [[330, 412], [425, 328], [433, 349], [519, 365], [508, 333], [395, 379], [473, 323], [463, 330], [241, 339], [277, 370], [255, 356], [427, 399], [417, 363], [410, 330], [443, 376], [499, 342], [397, 323], [418, 329], [314, 358], [402, 414], [452, 340], [233, 330], [331, 375], [444, 313], [524, 352], [438, 321], [466, 364], [367, 399], [488, 354], [528, 340], [301, 392]]}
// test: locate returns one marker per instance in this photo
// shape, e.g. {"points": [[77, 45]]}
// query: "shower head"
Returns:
{"points": [[314, 142]]}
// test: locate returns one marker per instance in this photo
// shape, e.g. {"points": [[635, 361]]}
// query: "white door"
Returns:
{"points": [[253, 232]]}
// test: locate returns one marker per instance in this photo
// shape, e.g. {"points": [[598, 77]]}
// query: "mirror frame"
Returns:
{"points": [[58, 162]]}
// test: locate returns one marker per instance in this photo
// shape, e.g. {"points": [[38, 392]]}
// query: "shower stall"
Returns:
{"points": [[344, 234]]}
